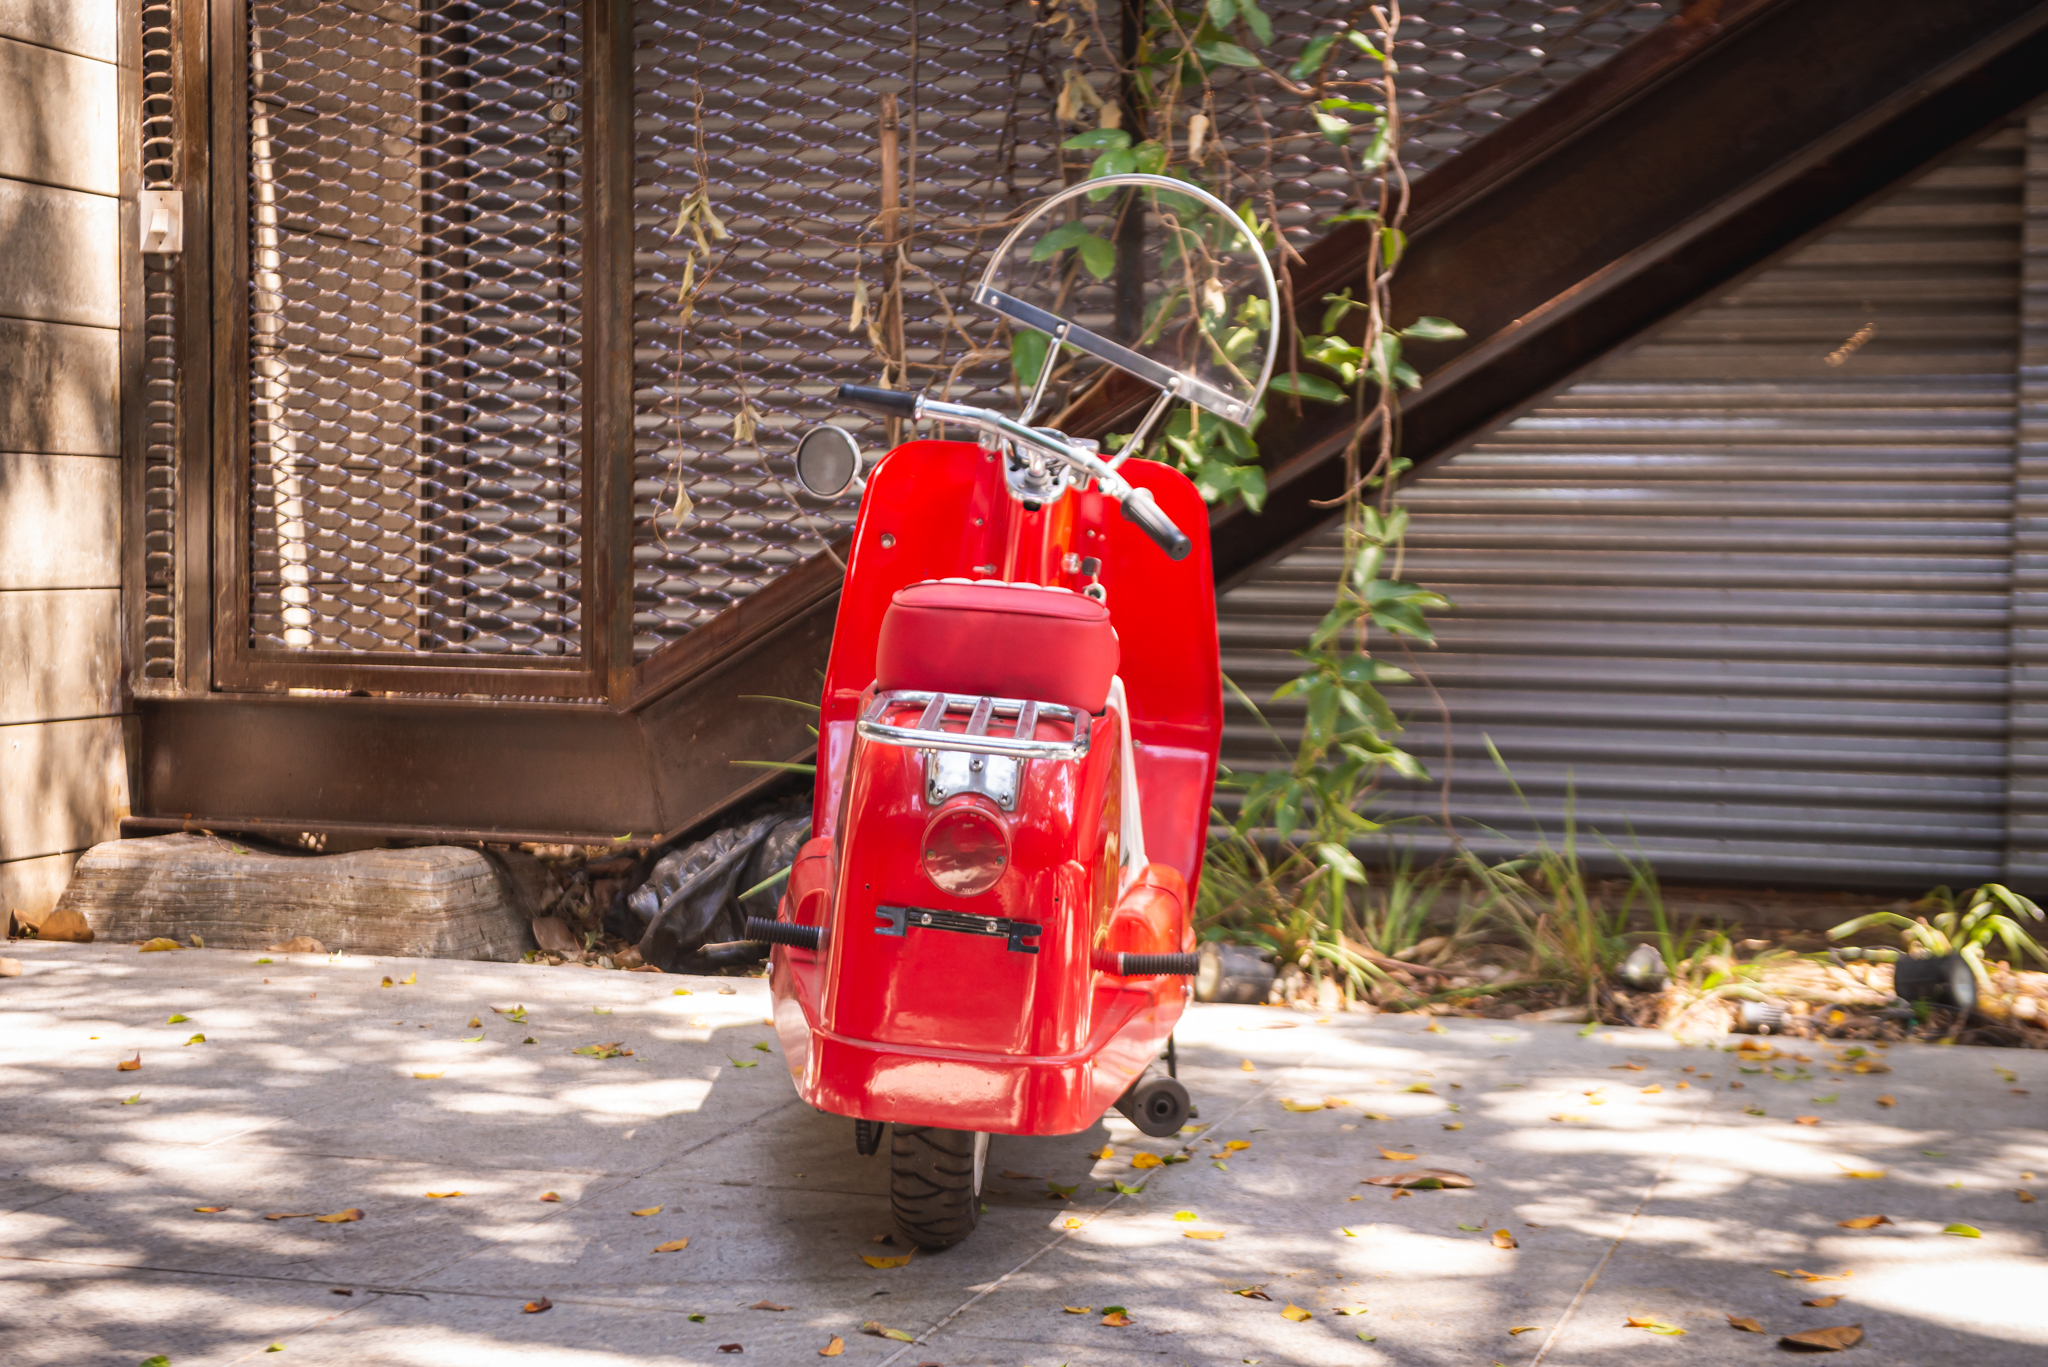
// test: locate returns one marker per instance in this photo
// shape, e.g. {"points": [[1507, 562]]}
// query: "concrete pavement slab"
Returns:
{"points": [[1626, 1166]]}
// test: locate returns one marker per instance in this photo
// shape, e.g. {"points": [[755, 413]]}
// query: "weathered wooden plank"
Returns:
{"points": [[29, 888], [61, 263], [57, 119], [59, 389], [60, 522], [63, 785], [60, 654], [441, 902], [85, 27]]}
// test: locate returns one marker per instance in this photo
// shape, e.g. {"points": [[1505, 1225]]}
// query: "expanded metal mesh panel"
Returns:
{"points": [[415, 303], [772, 108], [159, 357]]}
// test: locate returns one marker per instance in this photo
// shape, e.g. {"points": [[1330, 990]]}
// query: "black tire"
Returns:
{"points": [[935, 1183]]}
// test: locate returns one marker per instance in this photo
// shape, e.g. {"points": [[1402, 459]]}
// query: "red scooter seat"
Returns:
{"points": [[992, 638]]}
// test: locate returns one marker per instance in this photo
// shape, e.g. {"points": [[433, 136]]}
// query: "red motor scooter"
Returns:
{"points": [[990, 930]]}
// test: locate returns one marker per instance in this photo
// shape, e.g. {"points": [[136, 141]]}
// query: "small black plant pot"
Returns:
{"points": [[1946, 981]]}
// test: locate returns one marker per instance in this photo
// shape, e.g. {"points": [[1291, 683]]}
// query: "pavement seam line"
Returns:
{"points": [[924, 1339], [1572, 1310]]}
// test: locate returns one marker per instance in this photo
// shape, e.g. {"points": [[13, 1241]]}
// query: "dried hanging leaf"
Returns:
{"points": [[1296, 1313], [1962, 1231], [882, 1331], [427, 1077], [1865, 1222], [1422, 1179], [1503, 1239], [872, 1261], [1201, 1234], [129, 1065], [159, 944], [1654, 1325], [1116, 1317], [651, 1210], [672, 1246], [1247, 1067], [340, 1217], [1395, 1156], [766, 1305], [1236, 1145], [534, 1307], [1147, 1160], [1832, 1340], [1745, 1324], [1823, 1302], [549, 1196], [834, 1348], [442, 1195]]}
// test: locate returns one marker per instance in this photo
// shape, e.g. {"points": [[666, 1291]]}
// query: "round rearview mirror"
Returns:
{"points": [[827, 461]]}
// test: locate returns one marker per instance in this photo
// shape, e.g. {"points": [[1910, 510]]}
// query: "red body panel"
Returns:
{"points": [[897, 1018]]}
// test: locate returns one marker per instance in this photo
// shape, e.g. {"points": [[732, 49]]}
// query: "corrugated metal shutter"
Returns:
{"points": [[1743, 594], [2027, 848]]}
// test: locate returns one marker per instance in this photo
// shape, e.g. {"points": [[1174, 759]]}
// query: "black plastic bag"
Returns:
{"points": [[692, 895]]}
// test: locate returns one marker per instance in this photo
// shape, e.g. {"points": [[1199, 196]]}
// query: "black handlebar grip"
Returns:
{"points": [[1153, 521], [883, 403]]}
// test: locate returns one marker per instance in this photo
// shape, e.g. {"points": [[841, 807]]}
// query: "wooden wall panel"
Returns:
{"points": [[57, 118], [60, 522], [63, 786], [85, 28], [60, 264], [60, 389], [60, 654]]}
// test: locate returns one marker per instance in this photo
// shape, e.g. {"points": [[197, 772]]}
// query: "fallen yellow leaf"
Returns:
{"points": [[1887, 1100], [1653, 1089], [534, 1307], [159, 944], [1867, 1174], [672, 1246], [1420, 1087], [1147, 1160], [1655, 1326], [1073, 1222], [549, 1196], [340, 1217], [410, 981], [386, 982], [1078, 1309], [1524, 1329], [1503, 1239], [872, 1261], [1392, 1156], [1865, 1222], [1116, 1318], [129, 1065], [651, 1210], [1104, 1152], [427, 1076], [442, 1195], [209, 1210], [1246, 1066], [1201, 1234], [1185, 1215], [1296, 1313], [1745, 1324], [1292, 1105], [882, 1331], [1822, 1302], [1234, 1145], [834, 1348]]}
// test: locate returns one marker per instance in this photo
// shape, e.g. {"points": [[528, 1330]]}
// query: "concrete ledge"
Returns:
{"points": [[440, 902]]}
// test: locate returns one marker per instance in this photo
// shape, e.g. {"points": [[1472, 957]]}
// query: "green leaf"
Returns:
{"points": [[1335, 131], [1098, 137], [1432, 330], [1376, 150], [1097, 255], [1308, 387], [1351, 216], [1255, 19], [1150, 157], [1312, 57], [1962, 1231], [1364, 44], [1226, 54], [1342, 615], [158, 1361], [1394, 246], [1027, 354], [179, 1019], [1221, 12], [1339, 861]]}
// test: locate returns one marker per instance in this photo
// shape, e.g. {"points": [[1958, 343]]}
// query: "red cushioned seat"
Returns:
{"points": [[998, 639]]}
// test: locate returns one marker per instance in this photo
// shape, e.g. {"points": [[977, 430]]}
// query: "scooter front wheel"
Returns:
{"points": [[935, 1183]]}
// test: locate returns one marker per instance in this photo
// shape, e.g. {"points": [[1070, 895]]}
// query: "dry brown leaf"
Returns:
{"points": [[1806, 1120], [651, 1210], [1745, 1324], [1399, 1194], [1831, 1340], [1887, 1100], [1423, 1179], [340, 1217], [731, 1348], [1201, 1234], [209, 1210], [1865, 1222], [2026, 1197], [1251, 1293], [1503, 1239], [158, 944], [672, 1246], [834, 1348], [1116, 1319], [534, 1307], [1296, 1313], [766, 1305], [872, 1261], [296, 1215], [1395, 1156], [1822, 1302], [1523, 1329], [1627, 1067], [549, 1196], [129, 1065]]}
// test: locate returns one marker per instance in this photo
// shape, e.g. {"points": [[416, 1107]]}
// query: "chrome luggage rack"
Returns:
{"points": [[930, 733]]}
